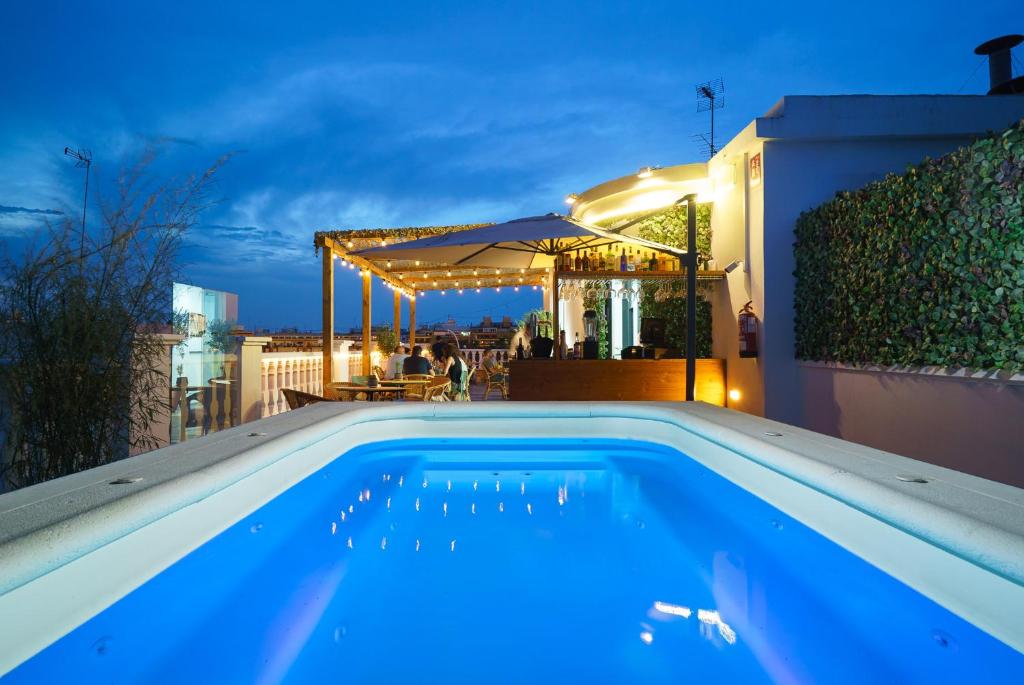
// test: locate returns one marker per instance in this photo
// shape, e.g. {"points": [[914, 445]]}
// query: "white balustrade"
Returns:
{"points": [[302, 371]]}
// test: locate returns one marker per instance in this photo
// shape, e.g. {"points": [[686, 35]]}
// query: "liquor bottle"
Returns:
{"points": [[622, 261], [652, 265], [578, 264], [630, 260], [661, 262], [586, 262]]}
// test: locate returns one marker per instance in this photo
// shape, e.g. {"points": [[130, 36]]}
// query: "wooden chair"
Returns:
{"points": [[379, 373], [434, 390], [415, 392], [493, 381], [297, 398]]}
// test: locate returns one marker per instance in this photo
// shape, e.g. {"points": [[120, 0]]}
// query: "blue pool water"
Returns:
{"points": [[508, 562]]}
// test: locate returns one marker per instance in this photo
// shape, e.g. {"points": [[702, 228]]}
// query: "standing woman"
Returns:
{"points": [[456, 368]]}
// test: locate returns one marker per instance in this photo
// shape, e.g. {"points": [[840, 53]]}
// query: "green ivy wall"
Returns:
{"points": [[923, 268], [669, 228]]}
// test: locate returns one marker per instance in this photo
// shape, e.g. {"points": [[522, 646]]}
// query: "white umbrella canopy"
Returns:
{"points": [[529, 243]]}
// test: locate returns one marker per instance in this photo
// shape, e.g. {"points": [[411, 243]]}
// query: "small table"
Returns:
{"points": [[399, 381], [373, 393]]}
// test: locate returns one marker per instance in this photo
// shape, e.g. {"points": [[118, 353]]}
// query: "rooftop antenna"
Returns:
{"points": [[710, 96], [83, 158]]}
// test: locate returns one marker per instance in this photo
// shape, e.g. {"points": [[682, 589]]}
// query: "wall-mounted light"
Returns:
{"points": [[731, 266], [571, 198], [735, 395]]}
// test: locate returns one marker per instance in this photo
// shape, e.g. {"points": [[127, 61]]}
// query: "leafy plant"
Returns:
{"points": [[387, 340], [922, 268], [85, 372], [673, 311], [219, 337], [669, 228]]}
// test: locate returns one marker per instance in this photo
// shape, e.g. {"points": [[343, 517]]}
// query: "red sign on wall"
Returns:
{"points": [[755, 169]]}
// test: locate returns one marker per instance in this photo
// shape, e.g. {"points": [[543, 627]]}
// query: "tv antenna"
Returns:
{"points": [[710, 96], [83, 158]]}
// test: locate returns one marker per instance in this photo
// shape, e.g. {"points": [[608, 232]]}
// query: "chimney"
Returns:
{"points": [[1000, 65]]}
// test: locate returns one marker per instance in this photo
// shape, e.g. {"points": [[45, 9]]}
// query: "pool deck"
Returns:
{"points": [[957, 538]]}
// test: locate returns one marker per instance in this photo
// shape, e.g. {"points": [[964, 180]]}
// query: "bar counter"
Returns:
{"points": [[614, 379]]}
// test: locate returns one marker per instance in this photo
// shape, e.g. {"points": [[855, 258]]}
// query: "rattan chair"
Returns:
{"points": [[297, 398], [434, 390], [492, 381], [415, 392]]}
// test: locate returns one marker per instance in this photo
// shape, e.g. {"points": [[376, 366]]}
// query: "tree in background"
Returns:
{"points": [[84, 374], [387, 340]]}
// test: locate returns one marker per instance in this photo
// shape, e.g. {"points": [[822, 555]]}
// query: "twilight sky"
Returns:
{"points": [[346, 115]]}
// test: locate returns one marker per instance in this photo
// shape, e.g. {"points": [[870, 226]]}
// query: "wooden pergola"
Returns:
{"points": [[408, 277], [405, 278]]}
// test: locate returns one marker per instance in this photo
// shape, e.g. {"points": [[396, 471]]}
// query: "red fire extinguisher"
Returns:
{"points": [[748, 331]]}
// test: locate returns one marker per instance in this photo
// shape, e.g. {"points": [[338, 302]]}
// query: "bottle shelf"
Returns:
{"points": [[702, 275]]}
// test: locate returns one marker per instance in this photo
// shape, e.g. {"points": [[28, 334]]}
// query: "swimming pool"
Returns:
{"points": [[468, 553]]}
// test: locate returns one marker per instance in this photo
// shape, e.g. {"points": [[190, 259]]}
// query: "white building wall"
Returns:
{"points": [[736, 201]]}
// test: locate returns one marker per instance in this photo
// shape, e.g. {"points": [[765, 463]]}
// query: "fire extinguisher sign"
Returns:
{"points": [[748, 331]]}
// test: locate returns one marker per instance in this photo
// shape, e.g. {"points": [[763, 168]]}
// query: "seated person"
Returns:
{"points": [[492, 366], [417, 363], [395, 362]]}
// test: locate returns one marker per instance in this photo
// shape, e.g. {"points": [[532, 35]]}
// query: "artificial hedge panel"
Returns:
{"points": [[923, 268]]}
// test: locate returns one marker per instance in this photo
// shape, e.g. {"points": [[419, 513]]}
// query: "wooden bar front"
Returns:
{"points": [[584, 380]]}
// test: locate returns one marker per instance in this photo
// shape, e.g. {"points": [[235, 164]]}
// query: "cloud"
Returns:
{"points": [[21, 221]]}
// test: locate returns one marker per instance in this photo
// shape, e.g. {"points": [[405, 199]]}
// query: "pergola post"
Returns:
{"points": [[328, 314], [554, 313], [412, 321], [398, 316], [367, 326]]}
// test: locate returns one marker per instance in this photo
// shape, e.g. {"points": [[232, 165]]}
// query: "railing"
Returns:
{"points": [[476, 355], [241, 397], [303, 371]]}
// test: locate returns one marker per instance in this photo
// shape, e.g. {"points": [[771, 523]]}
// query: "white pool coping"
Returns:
{"points": [[71, 547]]}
